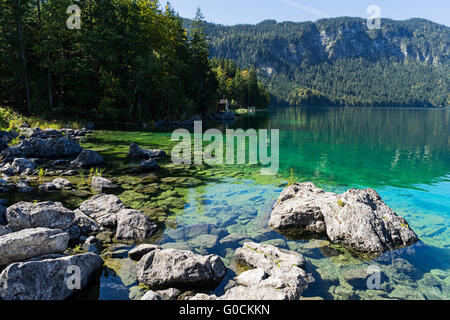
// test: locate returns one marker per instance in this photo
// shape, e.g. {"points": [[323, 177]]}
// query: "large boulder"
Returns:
{"points": [[171, 268], [53, 215], [134, 225], [87, 159], [298, 209], [277, 283], [136, 152], [29, 243], [358, 219], [103, 208], [101, 184], [275, 274], [148, 165], [265, 256], [85, 224], [43, 148], [49, 277], [21, 165]]}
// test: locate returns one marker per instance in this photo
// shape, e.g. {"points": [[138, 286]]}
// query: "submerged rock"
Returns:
{"points": [[134, 225], [148, 165], [358, 219], [87, 159], [171, 268], [103, 208], [136, 152], [23, 215], [51, 277], [102, 185], [193, 231], [29, 243]]}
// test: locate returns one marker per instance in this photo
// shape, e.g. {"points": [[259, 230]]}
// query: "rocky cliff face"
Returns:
{"points": [[267, 44], [405, 63]]}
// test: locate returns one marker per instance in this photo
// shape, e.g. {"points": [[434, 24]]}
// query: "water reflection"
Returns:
{"points": [[361, 146]]}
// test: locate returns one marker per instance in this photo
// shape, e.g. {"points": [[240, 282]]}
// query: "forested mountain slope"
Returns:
{"points": [[340, 61]]}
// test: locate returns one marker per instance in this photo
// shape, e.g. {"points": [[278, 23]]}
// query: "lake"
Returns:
{"points": [[404, 154]]}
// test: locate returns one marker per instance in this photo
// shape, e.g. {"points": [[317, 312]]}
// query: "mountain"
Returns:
{"points": [[405, 63]]}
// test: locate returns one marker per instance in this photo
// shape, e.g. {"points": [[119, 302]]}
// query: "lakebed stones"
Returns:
{"points": [[102, 185], [134, 225], [358, 219], [29, 243], [103, 209], [171, 268], [193, 231], [148, 165], [136, 152], [87, 159], [50, 277], [23, 215]]}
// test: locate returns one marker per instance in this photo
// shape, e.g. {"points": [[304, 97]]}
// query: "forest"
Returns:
{"points": [[126, 60], [341, 61], [241, 86]]}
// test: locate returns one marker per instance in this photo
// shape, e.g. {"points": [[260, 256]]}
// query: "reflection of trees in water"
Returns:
{"points": [[363, 146]]}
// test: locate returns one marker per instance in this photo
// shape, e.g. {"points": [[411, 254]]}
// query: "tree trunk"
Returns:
{"points": [[24, 66], [132, 103], [50, 96], [39, 9]]}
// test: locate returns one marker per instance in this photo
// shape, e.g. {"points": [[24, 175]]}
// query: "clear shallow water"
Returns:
{"points": [[402, 153]]}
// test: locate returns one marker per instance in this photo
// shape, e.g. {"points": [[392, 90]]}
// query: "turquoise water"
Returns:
{"points": [[402, 153]]}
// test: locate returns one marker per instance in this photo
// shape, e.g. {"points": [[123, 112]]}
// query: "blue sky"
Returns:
{"points": [[253, 11]]}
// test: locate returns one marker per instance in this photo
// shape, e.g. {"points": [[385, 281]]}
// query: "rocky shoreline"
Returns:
{"points": [[45, 238]]}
